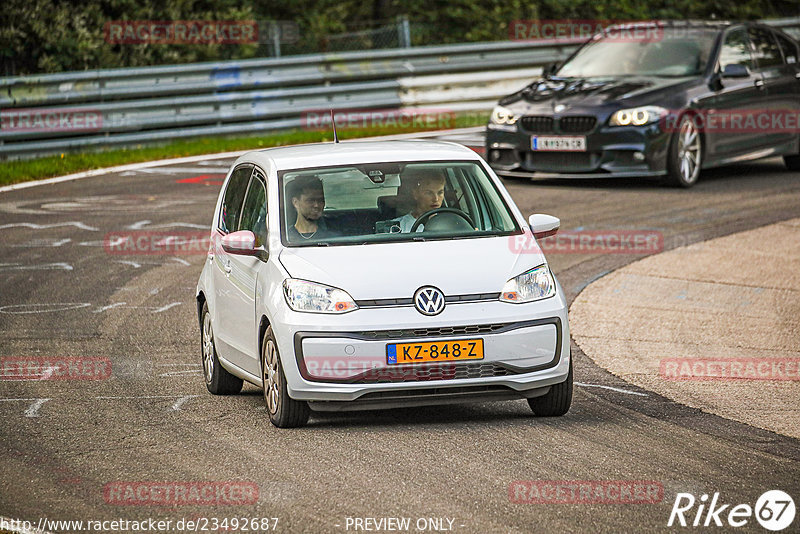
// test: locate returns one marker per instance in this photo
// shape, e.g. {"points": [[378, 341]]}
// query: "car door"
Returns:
{"points": [[779, 86], [791, 60], [734, 97], [225, 293], [244, 276]]}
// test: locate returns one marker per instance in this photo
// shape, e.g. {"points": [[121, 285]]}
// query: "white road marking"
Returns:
{"points": [[185, 170], [139, 225], [181, 260], [33, 409], [618, 390], [60, 266], [180, 402], [43, 308], [195, 372], [131, 263], [47, 373], [110, 306], [34, 226], [139, 397], [43, 243], [168, 306]]}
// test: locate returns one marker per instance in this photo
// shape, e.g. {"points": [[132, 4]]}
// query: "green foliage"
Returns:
{"points": [[42, 36]]}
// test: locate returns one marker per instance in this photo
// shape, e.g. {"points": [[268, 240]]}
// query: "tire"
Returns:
{"points": [[792, 162], [557, 401], [685, 156], [218, 380], [284, 411]]}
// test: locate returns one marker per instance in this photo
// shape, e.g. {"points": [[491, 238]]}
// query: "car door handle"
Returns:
{"points": [[759, 84], [227, 267]]}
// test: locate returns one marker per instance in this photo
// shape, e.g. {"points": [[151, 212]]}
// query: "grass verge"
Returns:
{"points": [[35, 169]]}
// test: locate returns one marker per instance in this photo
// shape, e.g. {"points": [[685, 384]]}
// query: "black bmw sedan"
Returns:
{"points": [[665, 102]]}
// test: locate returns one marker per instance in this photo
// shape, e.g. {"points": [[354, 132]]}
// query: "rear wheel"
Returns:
{"points": [[218, 380], [792, 162], [557, 401], [685, 154], [284, 411]]}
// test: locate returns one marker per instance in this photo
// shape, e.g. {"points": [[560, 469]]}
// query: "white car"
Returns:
{"points": [[366, 275]]}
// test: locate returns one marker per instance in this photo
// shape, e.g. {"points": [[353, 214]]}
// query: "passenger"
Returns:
{"points": [[427, 194], [308, 198]]}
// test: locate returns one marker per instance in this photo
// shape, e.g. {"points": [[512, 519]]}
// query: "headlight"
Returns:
{"points": [[501, 115], [305, 296], [637, 116], [535, 284]]}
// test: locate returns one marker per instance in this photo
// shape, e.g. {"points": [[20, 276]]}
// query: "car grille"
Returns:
{"points": [[422, 373], [577, 124], [542, 124], [434, 332], [537, 124]]}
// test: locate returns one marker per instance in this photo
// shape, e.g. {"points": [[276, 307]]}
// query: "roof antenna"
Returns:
{"points": [[333, 122]]}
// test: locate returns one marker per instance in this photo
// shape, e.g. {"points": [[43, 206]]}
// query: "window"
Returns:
{"points": [[736, 50], [767, 53], [254, 212], [789, 49], [381, 202], [666, 52], [232, 201]]}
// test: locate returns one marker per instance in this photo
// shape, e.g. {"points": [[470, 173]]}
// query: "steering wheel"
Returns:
{"points": [[422, 219]]}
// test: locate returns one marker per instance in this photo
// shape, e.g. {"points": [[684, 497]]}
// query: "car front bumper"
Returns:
{"points": [[611, 152], [340, 362]]}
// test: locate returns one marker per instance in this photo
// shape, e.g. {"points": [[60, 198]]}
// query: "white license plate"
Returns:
{"points": [[562, 143]]}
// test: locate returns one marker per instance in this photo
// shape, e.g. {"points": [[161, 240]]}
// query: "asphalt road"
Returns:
{"points": [[63, 295]]}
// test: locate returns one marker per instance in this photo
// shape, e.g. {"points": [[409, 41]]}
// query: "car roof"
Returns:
{"points": [[357, 152]]}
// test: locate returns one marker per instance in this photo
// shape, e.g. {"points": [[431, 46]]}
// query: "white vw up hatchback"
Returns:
{"points": [[365, 275]]}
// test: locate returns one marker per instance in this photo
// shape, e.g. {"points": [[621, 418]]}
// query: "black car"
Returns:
{"points": [[675, 99]]}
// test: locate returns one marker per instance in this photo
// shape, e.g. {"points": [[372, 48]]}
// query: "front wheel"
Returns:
{"points": [[685, 154], [557, 401], [284, 411]]}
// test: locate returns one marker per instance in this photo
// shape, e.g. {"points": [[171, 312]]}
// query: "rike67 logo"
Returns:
{"points": [[774, 510]]}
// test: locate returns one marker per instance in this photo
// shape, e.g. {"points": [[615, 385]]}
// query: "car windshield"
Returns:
{"points": [[656, 51], [388, 202]]}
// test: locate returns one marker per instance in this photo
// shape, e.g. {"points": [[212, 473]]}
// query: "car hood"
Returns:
{"points": [[586, 92], [397, 270]]}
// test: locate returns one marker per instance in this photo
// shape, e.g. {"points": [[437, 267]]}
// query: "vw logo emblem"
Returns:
{"points": [[559, 108], [429, 301]]}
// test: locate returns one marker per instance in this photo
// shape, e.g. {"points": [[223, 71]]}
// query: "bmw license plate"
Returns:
{"points": [[561, 143], [434, 351]]}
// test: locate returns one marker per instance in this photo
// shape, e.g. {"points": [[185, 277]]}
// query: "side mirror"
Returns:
{"points": [[242, 243], [735, 70], [544, 225]]}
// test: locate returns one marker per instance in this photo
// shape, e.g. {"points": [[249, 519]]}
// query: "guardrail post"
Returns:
{"points": [[403, 32], [276, 38]]}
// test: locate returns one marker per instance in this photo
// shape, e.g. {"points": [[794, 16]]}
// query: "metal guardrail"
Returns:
{"points": [[143, 105]]}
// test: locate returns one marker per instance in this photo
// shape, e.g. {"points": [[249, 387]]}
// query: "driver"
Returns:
{"points": [[427, 193], [308, 198]]}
